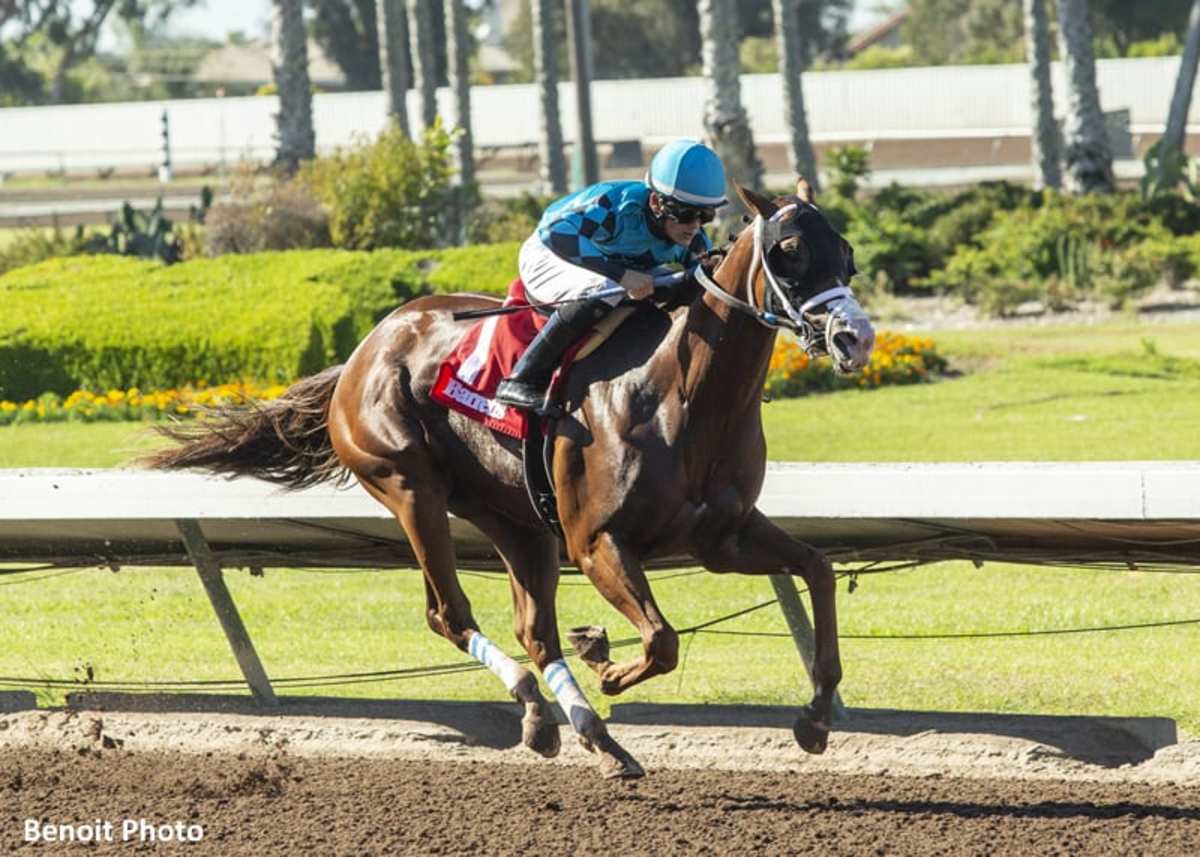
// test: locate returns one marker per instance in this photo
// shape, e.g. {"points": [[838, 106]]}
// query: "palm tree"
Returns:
{"points": [[792, 60], [1172, 140], [1044, 140], [420, 33], [297, 140], [725, 120], [458, 52], [1088, 155], [392, 22], [550, 143]]}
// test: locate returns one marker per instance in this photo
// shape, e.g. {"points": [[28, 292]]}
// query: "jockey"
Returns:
{"points": [[608, 235]]}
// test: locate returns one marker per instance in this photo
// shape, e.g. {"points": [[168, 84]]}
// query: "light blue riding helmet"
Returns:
{"points": [[689, 171]]}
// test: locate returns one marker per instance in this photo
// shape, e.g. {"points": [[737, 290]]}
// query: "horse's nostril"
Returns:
{"points": [[844, 341]]}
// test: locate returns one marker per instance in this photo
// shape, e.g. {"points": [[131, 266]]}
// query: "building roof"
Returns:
{"points": [[251, 63], [877, 32]]}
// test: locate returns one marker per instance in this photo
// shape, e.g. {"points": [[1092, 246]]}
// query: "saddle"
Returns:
{"points": [[486, 354]]}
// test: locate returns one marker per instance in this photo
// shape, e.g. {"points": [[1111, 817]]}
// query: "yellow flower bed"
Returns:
{"points": [[133, 404], [897, 359]]}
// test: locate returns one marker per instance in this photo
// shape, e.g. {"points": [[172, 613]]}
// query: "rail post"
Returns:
{"points": [[164, 168], [227, 613]]}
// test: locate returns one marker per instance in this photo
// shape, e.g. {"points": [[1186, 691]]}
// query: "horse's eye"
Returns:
{"points": [[797, 256]]}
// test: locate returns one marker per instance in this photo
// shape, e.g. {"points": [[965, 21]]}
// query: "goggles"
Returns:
{"points": [[681, 213]]}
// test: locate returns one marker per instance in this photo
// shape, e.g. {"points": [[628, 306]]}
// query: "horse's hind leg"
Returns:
{"points": [[533, 568], [417, 497]]}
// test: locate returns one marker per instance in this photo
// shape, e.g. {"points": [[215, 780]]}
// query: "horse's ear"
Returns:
{"points": [[756, 202], [804, 190]]}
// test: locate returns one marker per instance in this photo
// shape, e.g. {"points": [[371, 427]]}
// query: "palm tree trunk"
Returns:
{"points": [[1181, 100], [1088, 155], [545, 62], [458, 49], [420, 33], [391, 18], [1044, 139], [791, 63], [297, 140], [725, 121]]}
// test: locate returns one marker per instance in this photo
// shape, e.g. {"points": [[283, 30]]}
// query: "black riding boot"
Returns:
{"points": [[526, 386]]}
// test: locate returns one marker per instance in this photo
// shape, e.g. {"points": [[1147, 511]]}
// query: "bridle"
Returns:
{"points": [[769, 234]]}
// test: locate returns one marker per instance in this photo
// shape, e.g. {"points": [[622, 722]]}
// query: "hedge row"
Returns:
{"points": [[897, 359], [103, 322]]}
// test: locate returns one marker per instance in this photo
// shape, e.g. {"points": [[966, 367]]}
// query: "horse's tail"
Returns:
{"points": [[285, 440]]}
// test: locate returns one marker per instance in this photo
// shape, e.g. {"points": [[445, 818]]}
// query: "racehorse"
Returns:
{"points": [[660, 451]]}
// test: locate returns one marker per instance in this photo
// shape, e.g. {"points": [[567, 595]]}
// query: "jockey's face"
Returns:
{"points": [[679, 230]]}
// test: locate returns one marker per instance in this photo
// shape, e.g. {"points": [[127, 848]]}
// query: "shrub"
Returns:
{"points": [[281, 214], [1020, 256], [881, 56], [846, 167], [486, 268], [33, 245], [106, 322], [1124, 274], [388, 193], [496, 221], [1173, 257], [897, 359], [133, 404], [1181, 216], [885, 242]]}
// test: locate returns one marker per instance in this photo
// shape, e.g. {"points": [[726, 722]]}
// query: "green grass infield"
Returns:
{"points": [[1121, 390]]}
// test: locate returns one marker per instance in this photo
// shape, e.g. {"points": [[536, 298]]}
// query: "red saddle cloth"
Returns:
{"points": [[486, 354]]}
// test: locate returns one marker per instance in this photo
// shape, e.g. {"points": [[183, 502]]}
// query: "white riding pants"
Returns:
{"points": [[549, 278]]}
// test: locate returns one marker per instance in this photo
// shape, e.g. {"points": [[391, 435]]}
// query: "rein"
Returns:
{"points": [[794, 320]]}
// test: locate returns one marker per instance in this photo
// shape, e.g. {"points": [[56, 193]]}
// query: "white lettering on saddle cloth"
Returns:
{"points": [[464, 395]]}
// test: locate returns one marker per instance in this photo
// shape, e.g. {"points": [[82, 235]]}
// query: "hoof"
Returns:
{"points": [[615, 761], [540, 735], [811, 734], [622, 767], [539, 730], [610, 685], [590, 643]]}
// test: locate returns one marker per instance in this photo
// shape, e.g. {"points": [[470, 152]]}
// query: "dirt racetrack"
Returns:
{"points": [[438, 778]]}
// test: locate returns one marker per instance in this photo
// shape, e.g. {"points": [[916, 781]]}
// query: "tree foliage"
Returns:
{"points": [[47, 41], [661, 38], [985, 31], [346, 30]]}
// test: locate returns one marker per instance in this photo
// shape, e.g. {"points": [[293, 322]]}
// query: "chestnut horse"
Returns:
{"points": [[660, 451]]}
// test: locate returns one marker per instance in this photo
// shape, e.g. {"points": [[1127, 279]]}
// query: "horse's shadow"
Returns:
{"points": [[495, 725], [1108, 742]]}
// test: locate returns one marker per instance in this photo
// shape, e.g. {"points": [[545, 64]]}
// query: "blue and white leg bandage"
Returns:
{"points": [[484, 650], [562, 684]]}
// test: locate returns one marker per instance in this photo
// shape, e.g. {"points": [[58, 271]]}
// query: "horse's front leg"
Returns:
{"points": [[760, 547], [619, 577]]}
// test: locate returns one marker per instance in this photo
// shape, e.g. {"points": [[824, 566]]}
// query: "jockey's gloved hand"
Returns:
{"points": [[637, 284], [710, 260]]}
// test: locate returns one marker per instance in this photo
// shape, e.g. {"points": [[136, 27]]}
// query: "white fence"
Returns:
{"points": [[896, 104], [1136, 514]]}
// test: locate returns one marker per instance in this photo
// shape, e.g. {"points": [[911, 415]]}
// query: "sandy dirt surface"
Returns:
{"points": [[341, 777]]}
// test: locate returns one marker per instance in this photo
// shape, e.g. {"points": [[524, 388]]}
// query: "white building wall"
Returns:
{"points": [[964, 101]]}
